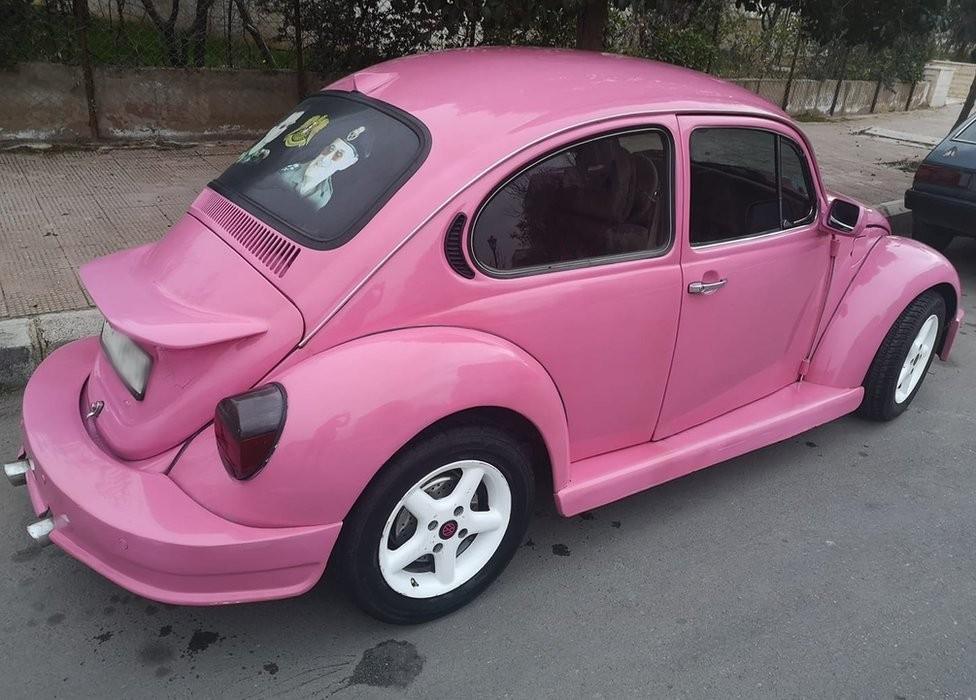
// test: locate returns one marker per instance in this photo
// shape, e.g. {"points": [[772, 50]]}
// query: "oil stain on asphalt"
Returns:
{"points": [[200, 641], [390, 664]]}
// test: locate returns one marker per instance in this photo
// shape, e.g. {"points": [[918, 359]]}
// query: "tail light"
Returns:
{"points": [[247, 427], [939, 175]]}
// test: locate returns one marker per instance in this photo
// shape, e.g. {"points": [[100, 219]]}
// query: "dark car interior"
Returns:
{"points": [[739, 202], [604, 200]]}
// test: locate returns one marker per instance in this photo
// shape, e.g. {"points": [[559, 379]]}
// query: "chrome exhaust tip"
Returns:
{"points": [[40, 530], [16, 472]]}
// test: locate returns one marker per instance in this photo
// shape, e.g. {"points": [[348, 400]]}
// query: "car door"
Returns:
{"points": [[754, 267], [577, 264]]}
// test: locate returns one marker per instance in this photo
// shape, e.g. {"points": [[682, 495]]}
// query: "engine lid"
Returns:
{"points": [[212, 324]]}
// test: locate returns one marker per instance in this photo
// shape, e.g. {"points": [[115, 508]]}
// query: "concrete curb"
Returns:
{"points": [[24, 342], [899, 218]]}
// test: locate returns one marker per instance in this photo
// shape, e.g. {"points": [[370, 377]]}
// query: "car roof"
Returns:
{"points": [[492, 101], [522, 83]]}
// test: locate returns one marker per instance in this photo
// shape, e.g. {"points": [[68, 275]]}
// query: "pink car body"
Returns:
{"points": [[622, 378]]}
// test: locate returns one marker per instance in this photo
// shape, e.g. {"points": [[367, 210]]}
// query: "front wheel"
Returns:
{"points": [[903, 359], [438, 524]]}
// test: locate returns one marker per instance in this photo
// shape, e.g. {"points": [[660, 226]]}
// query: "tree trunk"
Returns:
{"points": [[840, 80], [967, 106], [300, 52], [82, 21], [877, 93], [716, 27], [167, 30], [251, 29], [591, 25], [198, 34], [789, 79]]}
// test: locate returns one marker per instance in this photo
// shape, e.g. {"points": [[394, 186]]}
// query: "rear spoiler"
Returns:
{"points": [[135, 304]]}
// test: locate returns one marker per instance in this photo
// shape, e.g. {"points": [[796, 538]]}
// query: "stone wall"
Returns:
{"points": [[46, 102], [962, 78], [855, 96]]}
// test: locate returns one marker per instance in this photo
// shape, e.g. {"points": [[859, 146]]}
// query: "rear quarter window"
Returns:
{"points": [[967, 134], [322, 172]]}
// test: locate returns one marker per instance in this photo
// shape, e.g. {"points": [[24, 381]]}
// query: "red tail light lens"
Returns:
{"points": [[247, 427], [939, 175]]}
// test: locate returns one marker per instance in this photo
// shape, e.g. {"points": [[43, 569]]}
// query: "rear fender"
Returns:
{"points": [[352, 407], [896, 271]]}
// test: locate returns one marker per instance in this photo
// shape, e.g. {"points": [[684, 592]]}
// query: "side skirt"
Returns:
{"points": [[599, 480]]}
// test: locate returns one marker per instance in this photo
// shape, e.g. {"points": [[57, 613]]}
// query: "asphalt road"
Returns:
{"points": [[841, 563]]}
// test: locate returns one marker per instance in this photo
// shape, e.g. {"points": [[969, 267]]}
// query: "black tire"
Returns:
{"points": [[358, 559], [882, 378], [933, 236]]}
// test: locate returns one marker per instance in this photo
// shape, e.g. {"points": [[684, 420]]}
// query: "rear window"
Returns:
{"points": [[323, 171], [968, 134]]}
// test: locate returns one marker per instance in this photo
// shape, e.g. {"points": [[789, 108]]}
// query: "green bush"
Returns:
{"points": [[17, 16]]}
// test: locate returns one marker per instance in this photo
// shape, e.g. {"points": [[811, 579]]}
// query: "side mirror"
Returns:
{"points": [[843, 216]]}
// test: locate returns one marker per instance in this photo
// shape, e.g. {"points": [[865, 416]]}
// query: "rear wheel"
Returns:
{"points": [[933, 236], [902, 361], [438, 524]]}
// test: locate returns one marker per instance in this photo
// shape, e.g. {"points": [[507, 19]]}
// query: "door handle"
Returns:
{"points": [[706, 288]]}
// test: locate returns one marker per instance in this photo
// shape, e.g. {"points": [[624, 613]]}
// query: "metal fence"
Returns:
{"points": [[135, 33], [332, 37]]}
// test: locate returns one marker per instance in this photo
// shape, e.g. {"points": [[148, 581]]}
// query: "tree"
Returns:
{"points": [[172, 42], [591, 24], [959, 23], [190, 48], [967, 106]]}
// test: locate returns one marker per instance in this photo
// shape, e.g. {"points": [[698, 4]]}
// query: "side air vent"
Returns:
{"points": [[452, 247], [271, 249]]}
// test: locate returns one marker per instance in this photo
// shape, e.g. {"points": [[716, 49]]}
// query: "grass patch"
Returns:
{"points": [[811, 116], [906, 165]]}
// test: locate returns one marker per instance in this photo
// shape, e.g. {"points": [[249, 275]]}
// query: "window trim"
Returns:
{"points": [[778, 147], [489, 271], [301, 237], [958, 132]]}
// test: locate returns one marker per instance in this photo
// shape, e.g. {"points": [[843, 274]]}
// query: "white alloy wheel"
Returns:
{"points": [[445, 529], [917, 359]]}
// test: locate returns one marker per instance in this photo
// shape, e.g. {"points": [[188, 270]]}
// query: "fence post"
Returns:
{"points": [[300, 52], [81, 21]]}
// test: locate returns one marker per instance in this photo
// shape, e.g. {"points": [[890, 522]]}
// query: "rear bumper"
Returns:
{"points": [[956, 214], [138, 528]]}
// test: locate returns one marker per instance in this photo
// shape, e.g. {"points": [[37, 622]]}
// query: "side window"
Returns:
{"points": [[746, 182], [798, 202], [602, 198]]}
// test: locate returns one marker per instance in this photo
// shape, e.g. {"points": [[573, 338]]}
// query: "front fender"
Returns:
{"points": [[352, 407], [896, 271]]}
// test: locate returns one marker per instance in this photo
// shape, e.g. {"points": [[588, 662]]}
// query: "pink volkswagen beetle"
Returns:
{"points": [[440, 282]]}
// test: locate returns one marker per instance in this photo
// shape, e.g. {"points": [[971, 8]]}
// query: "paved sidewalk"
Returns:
{"points": [[61, 209], [871, 169]]}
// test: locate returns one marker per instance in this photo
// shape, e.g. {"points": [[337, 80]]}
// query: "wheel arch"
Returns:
{"points": [[501, 417], [896, 272], [951, 298], [353, 407]]}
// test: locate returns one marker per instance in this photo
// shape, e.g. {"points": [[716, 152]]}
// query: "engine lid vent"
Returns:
{"points": [[452, 248], [271, 249]]}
